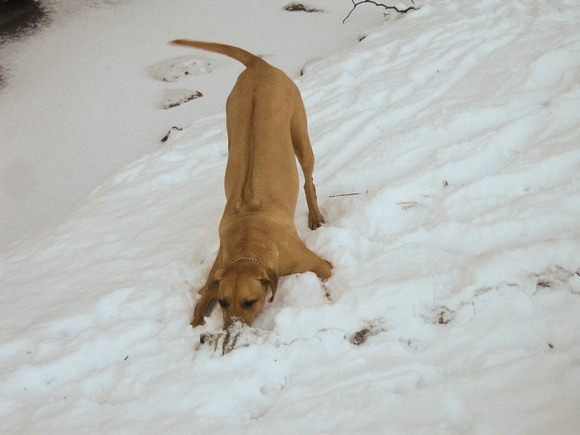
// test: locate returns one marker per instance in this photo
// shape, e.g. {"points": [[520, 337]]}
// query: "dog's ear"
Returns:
{"points": [[214, 282], [271, 279]]}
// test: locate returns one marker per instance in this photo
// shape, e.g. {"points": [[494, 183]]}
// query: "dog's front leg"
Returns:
{"points": [[208, 294], [303, 260], [204, 306]]}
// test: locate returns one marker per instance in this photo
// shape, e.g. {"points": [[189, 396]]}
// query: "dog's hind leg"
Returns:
{"points": [[303, 151]]}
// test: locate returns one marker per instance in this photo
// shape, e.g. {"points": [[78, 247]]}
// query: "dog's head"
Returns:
{"points": [[242, 289]]}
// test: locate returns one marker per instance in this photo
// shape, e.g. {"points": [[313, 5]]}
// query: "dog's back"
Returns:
{"points": [[261, 170]]}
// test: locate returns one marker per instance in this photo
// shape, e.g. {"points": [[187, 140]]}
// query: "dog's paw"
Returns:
{"points": [[315, 220], [323, 270]]}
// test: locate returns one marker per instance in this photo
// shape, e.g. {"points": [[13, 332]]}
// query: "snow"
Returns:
{"points": [[82, 98], [448, 172]]}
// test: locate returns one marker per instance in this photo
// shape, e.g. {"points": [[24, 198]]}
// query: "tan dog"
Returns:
{"points": [[266, 125]]}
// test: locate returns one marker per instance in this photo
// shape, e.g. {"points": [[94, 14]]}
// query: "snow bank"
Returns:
{"points": [[453, 305]]}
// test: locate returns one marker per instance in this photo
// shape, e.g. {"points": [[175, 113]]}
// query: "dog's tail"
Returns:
{"points": [[236, 53]]}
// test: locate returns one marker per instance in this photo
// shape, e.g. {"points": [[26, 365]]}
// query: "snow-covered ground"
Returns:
{"points": [[83, 98], [455, 297]]}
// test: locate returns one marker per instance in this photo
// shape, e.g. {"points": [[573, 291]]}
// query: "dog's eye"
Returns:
{"points": [[223, 303], [247, 304]]}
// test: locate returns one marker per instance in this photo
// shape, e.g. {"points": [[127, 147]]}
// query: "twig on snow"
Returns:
{"points": [[343, 194], [396, 9]]}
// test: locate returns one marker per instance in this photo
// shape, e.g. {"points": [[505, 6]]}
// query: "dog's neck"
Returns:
{"points": [[249, 242], [247, 259]]}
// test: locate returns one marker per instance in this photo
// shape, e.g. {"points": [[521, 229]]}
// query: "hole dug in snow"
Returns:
{"points": [[374, 327], [233, 337], [439, 315], [174, 69], [299, 7], [558, 278], [177, 97]]}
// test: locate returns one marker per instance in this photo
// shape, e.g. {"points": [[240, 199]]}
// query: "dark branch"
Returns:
{"points": [[396, 9]]}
